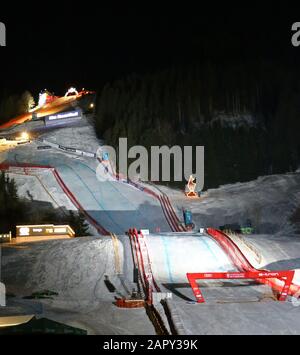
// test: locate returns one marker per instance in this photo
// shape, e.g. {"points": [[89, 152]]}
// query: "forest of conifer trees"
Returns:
{"points": [[181, 106]]}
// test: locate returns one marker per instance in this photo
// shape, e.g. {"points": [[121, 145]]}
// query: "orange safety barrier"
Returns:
{"points": [[143, 263], [56, 106], [129, 303], [286, 276]]}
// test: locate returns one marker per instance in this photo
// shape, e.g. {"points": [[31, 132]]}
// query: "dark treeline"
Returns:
{"points": [[182, 106], [12, 209], [15, 210], [12, 104]]}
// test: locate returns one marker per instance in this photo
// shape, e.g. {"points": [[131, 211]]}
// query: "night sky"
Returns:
{"points": [[55, 46]]}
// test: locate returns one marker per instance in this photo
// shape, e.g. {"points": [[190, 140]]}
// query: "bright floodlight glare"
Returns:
{"points": [[42, 99], [25, 136], [71, 91], [91, 105]]}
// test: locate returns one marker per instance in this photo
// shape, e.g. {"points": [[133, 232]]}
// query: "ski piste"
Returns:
{"points": [[171, 261]]}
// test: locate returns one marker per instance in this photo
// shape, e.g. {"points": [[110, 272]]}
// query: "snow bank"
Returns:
{"points": [[81, 136], [268, 202], [83, 272], [75, 268]]}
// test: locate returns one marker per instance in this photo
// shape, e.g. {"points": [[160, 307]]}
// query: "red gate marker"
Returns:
{"points": [[284, 275], [241, 262]]}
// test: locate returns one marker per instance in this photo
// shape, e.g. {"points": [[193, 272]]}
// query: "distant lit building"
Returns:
{"points": [[71, 92], [45, 230], [45, 97]]}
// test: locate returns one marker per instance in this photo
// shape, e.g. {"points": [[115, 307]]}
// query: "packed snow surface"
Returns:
{"points": [[83, 270]]}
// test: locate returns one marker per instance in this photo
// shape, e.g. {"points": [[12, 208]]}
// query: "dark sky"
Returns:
{"points": [[55, 46]]}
